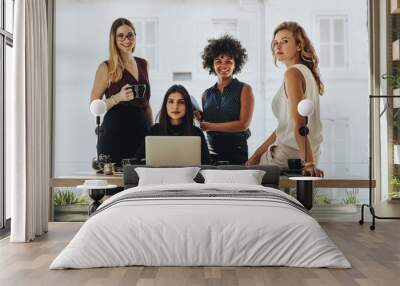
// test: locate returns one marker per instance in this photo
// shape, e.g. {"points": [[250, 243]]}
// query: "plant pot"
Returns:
{"points": [[397, 198], [335, 209], [71, 213]]}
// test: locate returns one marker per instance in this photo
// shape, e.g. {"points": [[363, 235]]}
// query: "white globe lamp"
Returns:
{"points": [[98, 107], [305, 107]]}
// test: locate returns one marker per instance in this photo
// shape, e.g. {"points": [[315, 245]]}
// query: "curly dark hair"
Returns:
{"points": [[224, 45]]}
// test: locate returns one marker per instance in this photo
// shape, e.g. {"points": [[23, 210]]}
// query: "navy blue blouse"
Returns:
{"points": [[223, 107]]}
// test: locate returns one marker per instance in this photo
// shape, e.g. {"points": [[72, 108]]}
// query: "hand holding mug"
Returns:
{"points": [[125, 94]]}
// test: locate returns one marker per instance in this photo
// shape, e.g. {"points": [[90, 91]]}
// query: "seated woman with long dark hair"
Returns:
{"points": [[176, 119]]}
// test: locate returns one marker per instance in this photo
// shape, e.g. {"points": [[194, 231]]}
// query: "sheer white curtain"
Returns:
{"points": [[29, 115]]}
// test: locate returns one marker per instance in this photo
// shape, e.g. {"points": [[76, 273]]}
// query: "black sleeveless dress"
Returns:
{"points": [[224, 107], [124, 125]]}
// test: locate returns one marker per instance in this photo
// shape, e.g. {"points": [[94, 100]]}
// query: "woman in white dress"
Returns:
{"points": [[292, 47]]}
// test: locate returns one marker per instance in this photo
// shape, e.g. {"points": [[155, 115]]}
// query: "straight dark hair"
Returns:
{"points": [[187, 120]]}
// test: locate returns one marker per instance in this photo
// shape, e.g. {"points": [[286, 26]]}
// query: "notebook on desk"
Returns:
{"points": [[173, 150]]}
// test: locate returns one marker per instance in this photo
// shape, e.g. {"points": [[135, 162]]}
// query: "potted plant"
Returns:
{"points": [[68, 206], [394, 84], [395, 193], [324, 205]]}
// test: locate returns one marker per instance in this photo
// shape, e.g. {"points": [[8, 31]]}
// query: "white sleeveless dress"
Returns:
{"points": [[285, 146]]}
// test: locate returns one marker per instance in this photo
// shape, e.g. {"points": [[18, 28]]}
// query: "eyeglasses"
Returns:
{"points": [[121, 37]]}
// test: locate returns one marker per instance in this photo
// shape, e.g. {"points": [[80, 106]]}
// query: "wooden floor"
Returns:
{"points": [[375, 256]]}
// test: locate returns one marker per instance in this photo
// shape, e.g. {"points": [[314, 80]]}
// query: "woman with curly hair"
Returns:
{"points": [[292, 47], [228, 105]]}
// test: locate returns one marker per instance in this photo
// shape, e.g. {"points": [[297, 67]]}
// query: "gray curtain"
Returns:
{"points": [[29, 116]]}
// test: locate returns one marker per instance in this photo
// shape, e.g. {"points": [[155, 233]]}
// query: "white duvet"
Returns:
{"points": [[200, 231]]}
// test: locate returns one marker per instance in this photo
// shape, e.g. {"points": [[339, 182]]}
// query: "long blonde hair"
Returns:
{"points": [[115, 63], [308, 56]]}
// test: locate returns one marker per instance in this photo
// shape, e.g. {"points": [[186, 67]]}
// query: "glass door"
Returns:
{"points": [[393, 115], [6, 44], [2, 37]]}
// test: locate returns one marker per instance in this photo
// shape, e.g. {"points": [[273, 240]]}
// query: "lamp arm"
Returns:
{"points": [[303, 131], [98, 133], [305, 139]]}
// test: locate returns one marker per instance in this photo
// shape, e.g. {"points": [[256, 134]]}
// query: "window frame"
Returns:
{"points": [[6, 39], [218, 23], [332, 43], [143, 46]]}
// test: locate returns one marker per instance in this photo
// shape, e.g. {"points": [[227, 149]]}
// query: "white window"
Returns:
{"points": [[224, 26], [9, 12], [147, 41], [331, 41]]}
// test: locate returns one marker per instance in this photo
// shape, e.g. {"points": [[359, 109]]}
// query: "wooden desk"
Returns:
{"points": [[284, 182], [73, 181], [344, 183]]}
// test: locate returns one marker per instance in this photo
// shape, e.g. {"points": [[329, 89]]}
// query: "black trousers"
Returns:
{"points": [[231, 148], [123, 131]]}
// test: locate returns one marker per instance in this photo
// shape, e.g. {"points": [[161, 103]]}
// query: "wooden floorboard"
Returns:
{"points": [[374, 255]]}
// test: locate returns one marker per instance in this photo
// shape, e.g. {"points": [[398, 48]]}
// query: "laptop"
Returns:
{"points": [[173, 150]]}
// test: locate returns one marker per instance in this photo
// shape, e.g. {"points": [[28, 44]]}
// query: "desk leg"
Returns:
{"points": [[304, 193], [96, 195], [51, 205]]}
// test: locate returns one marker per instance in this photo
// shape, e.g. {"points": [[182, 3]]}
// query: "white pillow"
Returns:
{"points": [[248, 177], [166, 176]]}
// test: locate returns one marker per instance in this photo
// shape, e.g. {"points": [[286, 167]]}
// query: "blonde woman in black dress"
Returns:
{"points": [[129, 113]]}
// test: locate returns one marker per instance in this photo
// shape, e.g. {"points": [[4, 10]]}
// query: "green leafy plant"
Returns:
{"points": [[395, 183], [321, 199], [351, 197], [63, 198], [393, 80]]}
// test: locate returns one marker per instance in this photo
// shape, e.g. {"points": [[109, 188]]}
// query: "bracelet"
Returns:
{"points": [[113, 100]]}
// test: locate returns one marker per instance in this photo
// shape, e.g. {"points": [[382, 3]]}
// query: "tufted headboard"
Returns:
{"points": [[270, 179]]}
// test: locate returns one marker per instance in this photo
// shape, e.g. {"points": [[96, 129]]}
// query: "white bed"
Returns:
{"points": [[207, 230]]}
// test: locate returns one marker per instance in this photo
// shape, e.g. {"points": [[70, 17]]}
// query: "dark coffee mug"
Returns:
{"points": [[138, 90], [295, 164]]}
